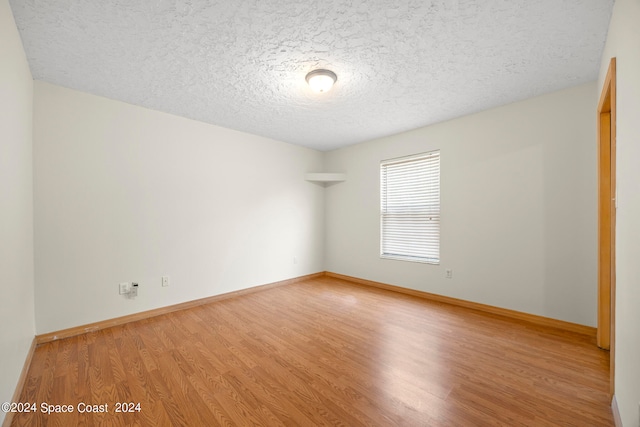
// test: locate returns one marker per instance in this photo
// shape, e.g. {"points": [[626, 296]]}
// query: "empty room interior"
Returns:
{"points": [[341, 213]]}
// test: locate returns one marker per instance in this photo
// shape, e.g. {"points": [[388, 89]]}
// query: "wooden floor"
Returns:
{"points": [[323, 352]]}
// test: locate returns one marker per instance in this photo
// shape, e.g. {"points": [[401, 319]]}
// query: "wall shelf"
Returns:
{"points": [[325, 177]]}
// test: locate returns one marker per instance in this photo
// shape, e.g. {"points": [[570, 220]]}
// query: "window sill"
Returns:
{"points": [[411, 259]]}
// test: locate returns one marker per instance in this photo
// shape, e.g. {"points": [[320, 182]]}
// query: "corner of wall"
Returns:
{"points": [[16, 216]]}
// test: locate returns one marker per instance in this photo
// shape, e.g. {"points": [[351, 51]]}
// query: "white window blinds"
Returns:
{"points": [[410, 208]]}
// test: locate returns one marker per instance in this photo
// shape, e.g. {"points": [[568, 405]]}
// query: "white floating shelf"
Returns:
{"points": [[325, 177]]}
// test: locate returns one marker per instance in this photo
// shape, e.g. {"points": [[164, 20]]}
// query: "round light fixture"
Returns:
{"points": [[321, 80]]}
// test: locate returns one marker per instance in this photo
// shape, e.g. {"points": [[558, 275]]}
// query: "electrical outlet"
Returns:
{"points": [[448, 273], [295, 260], [124, 288], [165, 281]]}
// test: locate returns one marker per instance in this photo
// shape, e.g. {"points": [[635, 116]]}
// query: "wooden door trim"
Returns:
{"points": [[607, 216]]}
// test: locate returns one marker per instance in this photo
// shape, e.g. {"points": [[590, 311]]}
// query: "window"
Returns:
{"points": [[410, 208]]}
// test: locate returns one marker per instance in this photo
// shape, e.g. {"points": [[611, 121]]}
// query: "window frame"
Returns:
{"points": [[423, 202]]}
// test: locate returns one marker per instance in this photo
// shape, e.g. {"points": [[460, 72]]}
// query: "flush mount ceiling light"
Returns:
{"points": [[321, 80]]}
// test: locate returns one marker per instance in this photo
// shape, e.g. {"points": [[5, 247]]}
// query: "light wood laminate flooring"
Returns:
{"points": [[323, 352]]}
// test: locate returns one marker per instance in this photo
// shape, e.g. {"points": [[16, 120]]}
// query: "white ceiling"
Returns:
{"points": [[241, 64]]}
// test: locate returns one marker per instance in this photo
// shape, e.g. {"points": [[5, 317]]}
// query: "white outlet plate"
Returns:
{"points": [[449, 273], [124, 288], [165, 281]]}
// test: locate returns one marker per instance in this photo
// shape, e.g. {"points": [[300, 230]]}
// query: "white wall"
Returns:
{"points": [[124, 193], [16, 206], [518, 207], [623, 42]]}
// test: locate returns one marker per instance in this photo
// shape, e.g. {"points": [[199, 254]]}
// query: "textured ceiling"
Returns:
{"points": [[242, 64]]}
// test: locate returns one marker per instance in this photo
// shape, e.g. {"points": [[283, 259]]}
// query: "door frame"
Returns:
{"points": [[607, 217]]}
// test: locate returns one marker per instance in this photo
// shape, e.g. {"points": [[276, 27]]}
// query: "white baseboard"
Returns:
{"points": [[616, 412]]}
